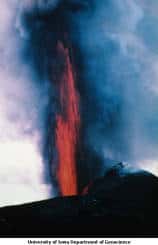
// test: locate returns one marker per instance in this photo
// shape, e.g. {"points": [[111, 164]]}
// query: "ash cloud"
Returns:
{"points": [[117, 43], [115, 53], [23, 104]]}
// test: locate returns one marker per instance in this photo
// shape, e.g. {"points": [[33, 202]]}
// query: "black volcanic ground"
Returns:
{"points": [[120, 204]]}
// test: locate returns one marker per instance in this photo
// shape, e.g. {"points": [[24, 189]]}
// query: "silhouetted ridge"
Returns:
{"points": [[122, 203]]}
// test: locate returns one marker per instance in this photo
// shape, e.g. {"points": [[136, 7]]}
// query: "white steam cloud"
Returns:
{"points": [[22, 104]]}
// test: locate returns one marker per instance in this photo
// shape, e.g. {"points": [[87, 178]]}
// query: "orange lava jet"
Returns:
{"points": [[67, 127]]}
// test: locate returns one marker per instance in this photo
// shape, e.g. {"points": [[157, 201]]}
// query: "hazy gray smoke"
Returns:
{"points": [[115, 47], [23, 102], [118, 41]]}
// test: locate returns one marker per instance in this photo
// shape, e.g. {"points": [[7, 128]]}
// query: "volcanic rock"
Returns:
{"points": [[124, 202]]}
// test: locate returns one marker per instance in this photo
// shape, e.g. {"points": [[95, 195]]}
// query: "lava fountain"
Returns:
{"points": [[67, 126]]}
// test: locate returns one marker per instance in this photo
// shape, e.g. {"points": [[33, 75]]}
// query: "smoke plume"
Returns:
{"points": [[114, 50], [116, 42], [23, 104]]}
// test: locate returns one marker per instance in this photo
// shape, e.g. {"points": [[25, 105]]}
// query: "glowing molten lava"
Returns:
{"points": [[67, 127]]}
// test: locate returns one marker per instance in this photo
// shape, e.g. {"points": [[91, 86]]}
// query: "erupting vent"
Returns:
{"points": [[67, 127]]}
